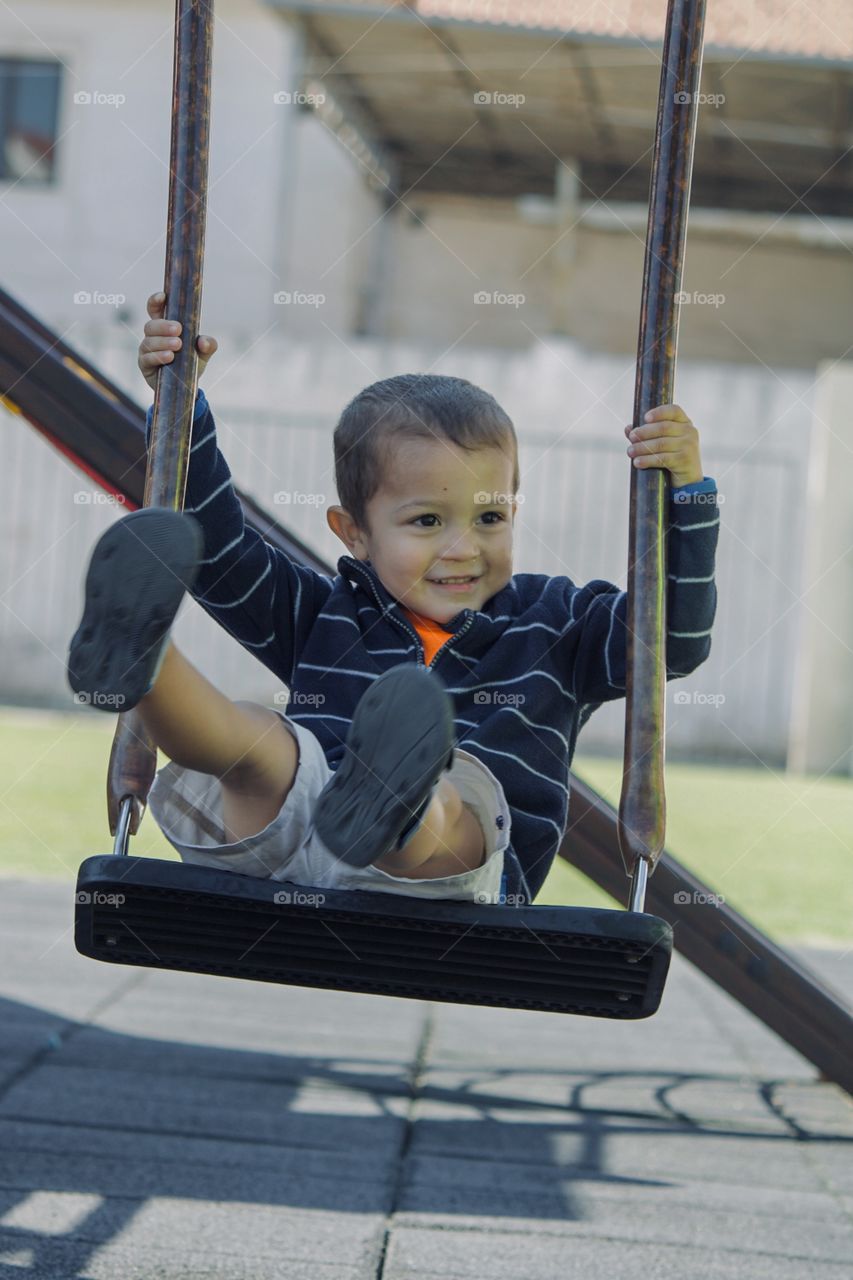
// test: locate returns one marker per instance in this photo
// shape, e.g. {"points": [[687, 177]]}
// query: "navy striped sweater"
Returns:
{"points": [[525, 672]]}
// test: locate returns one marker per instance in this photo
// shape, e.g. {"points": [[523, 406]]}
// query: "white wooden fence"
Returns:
{"points": [[276, 408]]}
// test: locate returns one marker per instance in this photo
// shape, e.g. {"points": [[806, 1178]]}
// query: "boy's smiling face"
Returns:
{"points": [[430, 520]]}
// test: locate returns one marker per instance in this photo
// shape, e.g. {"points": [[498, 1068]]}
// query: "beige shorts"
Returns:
{"points": [[187, 807]]}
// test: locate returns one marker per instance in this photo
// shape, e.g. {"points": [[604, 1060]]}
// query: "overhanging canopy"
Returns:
{"points": [[433, 101]]}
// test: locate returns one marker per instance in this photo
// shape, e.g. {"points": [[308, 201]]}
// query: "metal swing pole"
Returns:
{"points": [[642, 805], [133, 759]]}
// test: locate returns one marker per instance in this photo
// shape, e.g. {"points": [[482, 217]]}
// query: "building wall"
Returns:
{"points": [[284, 202], [289, 212], [754, 297]]}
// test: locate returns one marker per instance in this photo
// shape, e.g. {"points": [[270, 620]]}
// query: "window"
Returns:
{"points": [[29, 102]]}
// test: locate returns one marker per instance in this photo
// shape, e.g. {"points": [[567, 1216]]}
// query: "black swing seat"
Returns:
{"points": [[170, 915]]}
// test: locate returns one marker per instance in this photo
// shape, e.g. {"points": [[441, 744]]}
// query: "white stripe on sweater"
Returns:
{"points": [[225, 485], [340, 617], [230, 547], [705, 524], [203, 440], [232, 604], [536, 773], [338, 671], [500, 684], [610, 681]]}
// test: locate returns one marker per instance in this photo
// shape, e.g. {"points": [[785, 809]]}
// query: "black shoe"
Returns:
{"points": [[138, 574], [399, 744]]}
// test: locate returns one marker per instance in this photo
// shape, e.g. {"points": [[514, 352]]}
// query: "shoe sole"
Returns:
{"points": [[399, 744], [139, 572]]}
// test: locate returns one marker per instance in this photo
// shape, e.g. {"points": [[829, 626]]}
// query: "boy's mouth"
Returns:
{"points": [[456, 583]]}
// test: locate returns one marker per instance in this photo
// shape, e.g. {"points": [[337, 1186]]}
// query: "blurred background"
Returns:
{"points": [[461, 187]]}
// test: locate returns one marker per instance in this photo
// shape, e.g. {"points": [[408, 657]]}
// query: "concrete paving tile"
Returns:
{"points": [[505, 1148], [57, 982], [330, 1118], [533, 1088], [825, 1111], [36, 1258], [833, 1164], [289, 1020], [573, 1208], [760, 1050], [92, 1047], [683, 1031], [296, 1180], [265, 1231], [420, 1254], [212, 1229], [731, 1105], [712, 1102], [68, 1143], [584, 1197]]}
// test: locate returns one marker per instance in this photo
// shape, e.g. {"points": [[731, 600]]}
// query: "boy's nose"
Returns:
{"points": [[463, 548]]}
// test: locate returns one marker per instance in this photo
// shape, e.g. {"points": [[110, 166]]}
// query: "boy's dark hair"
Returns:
{"points": [[412, 406]]}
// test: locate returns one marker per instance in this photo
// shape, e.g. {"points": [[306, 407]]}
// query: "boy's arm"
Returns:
{"points": [[596, 636], [264, 599]]}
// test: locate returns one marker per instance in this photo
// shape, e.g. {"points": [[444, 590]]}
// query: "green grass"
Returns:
{"points": [[777, 848], [53, 805]]}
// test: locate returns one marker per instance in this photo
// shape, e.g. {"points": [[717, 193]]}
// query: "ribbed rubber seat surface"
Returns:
{"points": [[167, 915]]}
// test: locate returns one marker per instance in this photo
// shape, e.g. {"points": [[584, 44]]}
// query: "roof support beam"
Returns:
{"points": [[349, 114]]}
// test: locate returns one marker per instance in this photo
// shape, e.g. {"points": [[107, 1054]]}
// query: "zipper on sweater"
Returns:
{"points": [[401, 622], [410, 631], [465, 626]]}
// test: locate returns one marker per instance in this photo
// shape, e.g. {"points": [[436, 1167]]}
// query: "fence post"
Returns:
{"points": [[821, 727]]}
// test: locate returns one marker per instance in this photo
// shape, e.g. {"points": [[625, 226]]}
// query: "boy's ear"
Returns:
{"points": [[344, 526]]}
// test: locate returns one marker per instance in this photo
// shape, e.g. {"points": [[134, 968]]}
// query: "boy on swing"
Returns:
{"points": [[424, 641]]}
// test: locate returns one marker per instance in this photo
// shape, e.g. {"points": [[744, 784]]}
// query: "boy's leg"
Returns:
{"points": [[246, 746], [448, 842], [121, 656]]}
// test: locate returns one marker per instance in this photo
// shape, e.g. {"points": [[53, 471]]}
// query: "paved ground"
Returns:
{"points": [[162, 1126]]}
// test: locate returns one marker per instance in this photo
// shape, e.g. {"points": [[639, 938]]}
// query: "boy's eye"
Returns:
{"points": [[432, 516]]}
